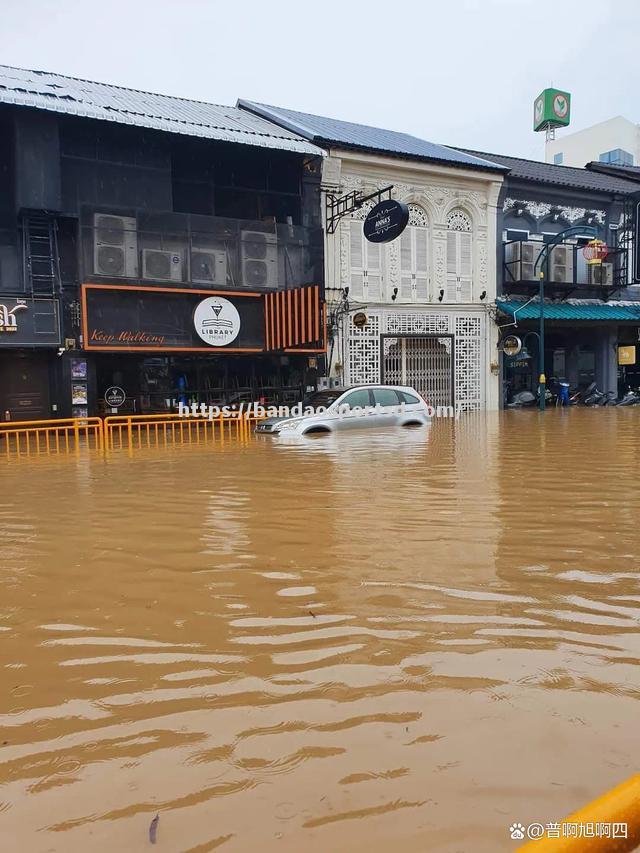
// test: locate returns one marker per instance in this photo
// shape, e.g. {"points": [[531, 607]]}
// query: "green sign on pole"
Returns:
{"points": [[552, 108]]}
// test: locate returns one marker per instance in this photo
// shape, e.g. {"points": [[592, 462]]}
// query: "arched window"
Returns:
{"points": [[459, 257], [365, 284], [414, 257]]}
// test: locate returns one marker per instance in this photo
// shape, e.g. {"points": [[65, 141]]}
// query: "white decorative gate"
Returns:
{"points": [[364, 352], [424, 363]]}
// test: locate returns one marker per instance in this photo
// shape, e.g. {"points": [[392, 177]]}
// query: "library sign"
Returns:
{"points": [[148, 319]]}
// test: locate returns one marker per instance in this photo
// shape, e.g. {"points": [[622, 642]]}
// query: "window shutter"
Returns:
{"points": [[451, 292], [406, 263], [374, 270], [421, 236], [356, 288], [465, 250]]}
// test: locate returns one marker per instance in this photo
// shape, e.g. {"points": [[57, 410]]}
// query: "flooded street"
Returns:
{"points": [[369, 640]]}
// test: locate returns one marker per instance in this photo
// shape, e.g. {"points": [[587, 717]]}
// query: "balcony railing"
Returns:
{"points": [[179, 250], [567, 267]]}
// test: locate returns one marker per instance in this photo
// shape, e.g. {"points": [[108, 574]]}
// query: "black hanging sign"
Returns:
{"points": [[386, 221]]}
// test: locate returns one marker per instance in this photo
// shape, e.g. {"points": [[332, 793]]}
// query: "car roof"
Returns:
{"points": [[375, 385]]}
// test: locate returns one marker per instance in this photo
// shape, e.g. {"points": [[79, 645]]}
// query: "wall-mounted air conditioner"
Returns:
{"points": [[115, 246], [521, 258], [561, 264], [259, 258], [209, 266], [601, 274], [161, 265]]}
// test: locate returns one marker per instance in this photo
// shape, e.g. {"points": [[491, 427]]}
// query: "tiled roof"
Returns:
{"points": [[572, 309], [630, 172], [330, 131], [563, 176], [57, 93]]}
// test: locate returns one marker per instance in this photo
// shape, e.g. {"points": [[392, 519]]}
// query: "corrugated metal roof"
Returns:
{"points": [[57, 93], [330, 131], [572, 309], [565, 176]]}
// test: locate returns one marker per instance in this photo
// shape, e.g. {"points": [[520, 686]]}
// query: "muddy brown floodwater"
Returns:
{"points": [[373, 641]]}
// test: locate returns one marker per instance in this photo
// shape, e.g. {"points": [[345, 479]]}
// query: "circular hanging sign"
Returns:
{"points": [[114, 397], [386, 221], [511, 345], [359, 319], [216, 321]]}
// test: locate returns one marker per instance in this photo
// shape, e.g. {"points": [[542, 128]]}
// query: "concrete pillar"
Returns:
{"points": [[606, 358], [572, 365]]}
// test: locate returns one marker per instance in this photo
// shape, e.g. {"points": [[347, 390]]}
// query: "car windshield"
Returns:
{"points": [[323, 398]]}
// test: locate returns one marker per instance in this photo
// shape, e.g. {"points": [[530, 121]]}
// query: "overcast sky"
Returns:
{"points": [[460, 72]]}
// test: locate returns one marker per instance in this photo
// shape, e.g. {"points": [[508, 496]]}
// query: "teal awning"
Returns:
{"points": [[575, 310]]}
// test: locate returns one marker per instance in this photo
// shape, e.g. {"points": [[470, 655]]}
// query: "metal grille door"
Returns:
{"points": [[424, 363]]}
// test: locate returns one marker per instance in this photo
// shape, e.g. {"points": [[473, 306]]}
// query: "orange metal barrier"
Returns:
{"points": [[134, 432], [620, 806], [65, 435], [149, 431]]}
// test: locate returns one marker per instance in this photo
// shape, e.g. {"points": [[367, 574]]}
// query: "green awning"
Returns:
{"points": [[576, 310]]}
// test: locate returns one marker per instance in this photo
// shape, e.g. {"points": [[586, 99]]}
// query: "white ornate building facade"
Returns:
{"points": [[418, 310]]}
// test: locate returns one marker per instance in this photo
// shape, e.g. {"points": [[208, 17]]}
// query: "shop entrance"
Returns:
{"points": [[24, 386], [423, 362], [159, 384]]}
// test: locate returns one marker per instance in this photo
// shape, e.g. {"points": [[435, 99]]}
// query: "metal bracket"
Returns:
{"points": [[338, 206]]}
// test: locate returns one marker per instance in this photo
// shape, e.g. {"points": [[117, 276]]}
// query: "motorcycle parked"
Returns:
{"points": [[521, 400], [593, 396], [631, 398]]}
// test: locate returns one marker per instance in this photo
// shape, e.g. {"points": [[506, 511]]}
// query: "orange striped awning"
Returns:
{"points": [[295, 320]]}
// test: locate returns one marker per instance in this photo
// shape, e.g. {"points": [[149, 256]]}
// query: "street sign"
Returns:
{"points": [[627, 355], [552, 108], [511, 345], [114, 397], [386, 221]]}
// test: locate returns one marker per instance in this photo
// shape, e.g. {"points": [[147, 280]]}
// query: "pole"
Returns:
{"points": [[542, 382]]}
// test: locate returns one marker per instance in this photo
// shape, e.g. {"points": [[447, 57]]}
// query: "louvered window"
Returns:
{"points": [[366, 266], [414, 258], [459, 258]]}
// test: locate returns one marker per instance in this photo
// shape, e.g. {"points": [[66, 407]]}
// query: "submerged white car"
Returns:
{"points": [[352, 408]]}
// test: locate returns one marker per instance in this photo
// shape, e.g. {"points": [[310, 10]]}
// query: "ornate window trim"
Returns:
{"points": [[458, 220], [540, 210], [417, 216]]}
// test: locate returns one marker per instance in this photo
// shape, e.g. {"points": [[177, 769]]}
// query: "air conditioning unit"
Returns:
{"points": [[601, 274], [115, 246], [209, 266], [161, 265], [521, 258], [259, 258], [561, 265]]}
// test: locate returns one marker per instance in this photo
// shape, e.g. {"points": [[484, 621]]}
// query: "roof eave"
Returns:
{"points": [[421, 158]]}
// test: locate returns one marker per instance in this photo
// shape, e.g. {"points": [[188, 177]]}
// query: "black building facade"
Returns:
{"points": [[169, 248], [590, 309]]}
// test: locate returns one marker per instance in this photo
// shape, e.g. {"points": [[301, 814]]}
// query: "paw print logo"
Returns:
{"points": [[516, 831]]}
